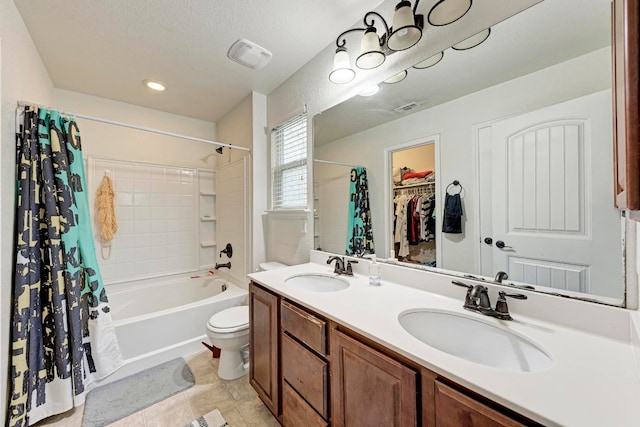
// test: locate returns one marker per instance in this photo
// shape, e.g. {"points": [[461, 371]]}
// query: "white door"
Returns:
{"points": [[551, 182]]}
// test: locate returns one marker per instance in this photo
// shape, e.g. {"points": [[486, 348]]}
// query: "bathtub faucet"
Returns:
{"points": [[225, 265]]}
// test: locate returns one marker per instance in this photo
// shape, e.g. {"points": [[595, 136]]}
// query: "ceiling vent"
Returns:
{"points": [[407, 107], [249, 54]]}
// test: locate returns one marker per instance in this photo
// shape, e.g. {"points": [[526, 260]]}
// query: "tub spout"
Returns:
{"points": [[225, 265]]}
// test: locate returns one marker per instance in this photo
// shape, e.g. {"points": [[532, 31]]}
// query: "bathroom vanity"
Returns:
{"points": [[343, 357]]}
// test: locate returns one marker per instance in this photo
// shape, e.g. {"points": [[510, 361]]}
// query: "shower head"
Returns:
{"points": [[219, 150]]}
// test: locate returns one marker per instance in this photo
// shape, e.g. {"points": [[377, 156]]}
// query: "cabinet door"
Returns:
{"points": [[369, 388], [454, 409], [263, 346]]}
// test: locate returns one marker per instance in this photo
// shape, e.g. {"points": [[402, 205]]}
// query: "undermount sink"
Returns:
{"points": [[316, 282], [475, 340]]}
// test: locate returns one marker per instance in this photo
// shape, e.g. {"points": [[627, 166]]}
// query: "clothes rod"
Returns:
{"points": [[336, 163], [128, 125]]}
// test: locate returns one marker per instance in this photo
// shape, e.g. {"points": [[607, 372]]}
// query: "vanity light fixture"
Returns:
{"points": [[446, 12], [396, 77], [405, 32], [429, 62], [154, 85], [472, 41]]}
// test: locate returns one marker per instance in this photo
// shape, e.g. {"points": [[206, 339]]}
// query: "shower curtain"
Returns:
{"points": [[62, 335], [360, 230]]}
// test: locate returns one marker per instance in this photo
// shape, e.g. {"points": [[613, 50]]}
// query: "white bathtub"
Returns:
{"points": [[157, 322]]}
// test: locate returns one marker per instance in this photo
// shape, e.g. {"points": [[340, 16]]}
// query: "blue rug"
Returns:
{"points": [[119, 399]]}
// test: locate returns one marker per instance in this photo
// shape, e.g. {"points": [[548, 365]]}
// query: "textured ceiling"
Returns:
{"points": [[107, 48]]}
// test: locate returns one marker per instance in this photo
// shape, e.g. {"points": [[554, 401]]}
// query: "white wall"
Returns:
{"points": [[105, 140], [22, 77], [235, 128], [260, 176], [453, 121]]}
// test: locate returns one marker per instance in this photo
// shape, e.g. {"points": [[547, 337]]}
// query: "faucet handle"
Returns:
{"points": [[503, 294], [349, 269], [464, 285], [502, 309]]}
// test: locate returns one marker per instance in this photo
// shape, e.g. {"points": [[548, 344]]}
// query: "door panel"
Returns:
{"points": [[551, 173]]}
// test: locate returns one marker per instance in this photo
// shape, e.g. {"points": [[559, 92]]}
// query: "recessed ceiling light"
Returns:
{"points": [[154, 84]]}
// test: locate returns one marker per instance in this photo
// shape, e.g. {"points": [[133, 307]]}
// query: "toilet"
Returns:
{"points": [[228, 330]]}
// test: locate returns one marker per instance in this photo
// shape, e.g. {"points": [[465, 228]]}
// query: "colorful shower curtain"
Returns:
{"points": [[360, 231], [62, 335]]}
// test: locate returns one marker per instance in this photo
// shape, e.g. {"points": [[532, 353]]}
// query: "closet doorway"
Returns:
{"points": [[413, 231]]}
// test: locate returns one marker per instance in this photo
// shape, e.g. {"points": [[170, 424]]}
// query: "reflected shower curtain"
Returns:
{"points": [[360, 230], [62, 335]]}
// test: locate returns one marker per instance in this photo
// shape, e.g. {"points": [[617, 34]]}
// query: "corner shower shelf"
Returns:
{"points": [[207, 244], [207, 193], [207, 218]]}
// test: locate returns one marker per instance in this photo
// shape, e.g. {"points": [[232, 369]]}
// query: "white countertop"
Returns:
{"points": [[594, 379]]}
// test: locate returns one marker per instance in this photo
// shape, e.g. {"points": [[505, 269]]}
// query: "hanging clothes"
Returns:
{"points": [[63, 338], [360, 231]]}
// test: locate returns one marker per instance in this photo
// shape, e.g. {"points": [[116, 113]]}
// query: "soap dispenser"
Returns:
{"points": [[374, 272]]}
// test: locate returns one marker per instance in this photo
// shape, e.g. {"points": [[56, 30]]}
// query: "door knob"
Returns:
{"points": [[488, 241], [500, 245]]}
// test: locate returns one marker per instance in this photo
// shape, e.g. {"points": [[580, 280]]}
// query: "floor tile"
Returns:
{"points": [[236, 400], [133, 420]]}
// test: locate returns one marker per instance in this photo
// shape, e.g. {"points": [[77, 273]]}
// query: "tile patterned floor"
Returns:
{"points": [[236, 400]]}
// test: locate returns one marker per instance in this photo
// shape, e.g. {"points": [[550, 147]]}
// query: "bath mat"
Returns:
{"points": [[122, 398], [212, 419]]}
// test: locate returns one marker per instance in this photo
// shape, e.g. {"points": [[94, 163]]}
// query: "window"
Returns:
{"points": [[289, 164]]}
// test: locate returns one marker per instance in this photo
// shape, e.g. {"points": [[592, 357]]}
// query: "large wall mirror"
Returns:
{"points": [[516, 135]]}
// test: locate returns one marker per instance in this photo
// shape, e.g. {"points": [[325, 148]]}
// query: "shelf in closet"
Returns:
{"points": [[207, 218], [207, 244]]}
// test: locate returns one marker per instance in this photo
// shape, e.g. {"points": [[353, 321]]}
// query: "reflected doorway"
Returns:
{"points": [[413, 228]]}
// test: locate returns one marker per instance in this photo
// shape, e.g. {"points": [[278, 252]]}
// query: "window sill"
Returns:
{"points": [[288, 213]]}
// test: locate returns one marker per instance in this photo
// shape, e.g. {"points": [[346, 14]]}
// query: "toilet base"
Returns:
{"points": [[232, 365]]}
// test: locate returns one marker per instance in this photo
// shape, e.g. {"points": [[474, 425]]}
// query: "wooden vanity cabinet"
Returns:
{"points": [[313, 372], [369, 388], [305, 368], [264, 340]]}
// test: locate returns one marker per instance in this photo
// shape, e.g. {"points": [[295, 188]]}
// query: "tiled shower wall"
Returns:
{"points": [[157, 214]]}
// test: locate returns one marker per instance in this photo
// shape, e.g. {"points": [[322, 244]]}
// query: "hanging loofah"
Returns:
{"points": [[106, 209]]}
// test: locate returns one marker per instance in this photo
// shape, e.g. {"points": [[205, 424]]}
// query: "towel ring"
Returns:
{"points": [[455, 183]]}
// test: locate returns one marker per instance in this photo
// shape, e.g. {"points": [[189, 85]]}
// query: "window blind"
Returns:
{"points": [[289, 164]]}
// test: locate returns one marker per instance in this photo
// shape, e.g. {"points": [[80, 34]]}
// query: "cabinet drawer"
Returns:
{"points": [[304, 326], [296, 412], [455, 409], [306, 373]]}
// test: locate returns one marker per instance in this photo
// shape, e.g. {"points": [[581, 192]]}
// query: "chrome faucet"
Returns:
{"points": [[477, 299]]}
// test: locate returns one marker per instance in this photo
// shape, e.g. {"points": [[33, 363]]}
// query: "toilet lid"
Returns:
{"points": [[231, 319]]}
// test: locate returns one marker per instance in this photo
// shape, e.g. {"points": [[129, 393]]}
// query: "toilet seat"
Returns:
{"points": [[230, 320]]}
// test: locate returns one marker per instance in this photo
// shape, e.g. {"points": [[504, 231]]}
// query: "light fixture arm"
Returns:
{"points": [[415, 7], [344, 33], [387, 32]]}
